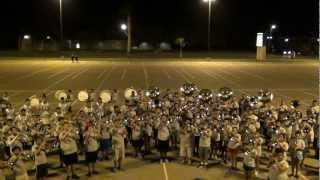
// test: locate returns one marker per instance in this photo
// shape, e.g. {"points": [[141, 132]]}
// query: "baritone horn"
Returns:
{"points": [[105, 96]]}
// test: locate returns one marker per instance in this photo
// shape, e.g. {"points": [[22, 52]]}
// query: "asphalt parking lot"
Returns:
{"points": [[287, 79]]}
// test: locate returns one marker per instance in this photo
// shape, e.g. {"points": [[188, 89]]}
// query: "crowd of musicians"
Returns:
{"points": [[198, 124]]}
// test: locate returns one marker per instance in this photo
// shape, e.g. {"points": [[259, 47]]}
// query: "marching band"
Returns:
{"points": [[202, 124]]}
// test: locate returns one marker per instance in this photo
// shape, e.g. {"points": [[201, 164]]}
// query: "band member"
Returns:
{"points": [[92, 146], [233, 148], [69, 149], [137, 138], [185, 144], [40, 158], [118, 135], [279, 167], [106, 142], [204, 145], [163, 139], [249, 160], [297, 146], [17, 165]]}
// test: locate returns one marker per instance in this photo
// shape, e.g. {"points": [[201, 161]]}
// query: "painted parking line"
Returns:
{"points": [[182, 75], [165, 171], [166, 73], [78, 74], [58, 73], [102, 73], [146, 76], [106, 77], [123, 74]]}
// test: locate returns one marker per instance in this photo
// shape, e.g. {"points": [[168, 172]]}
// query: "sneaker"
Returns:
{"points": [[114, 170], [161, 161], [89, 175]]}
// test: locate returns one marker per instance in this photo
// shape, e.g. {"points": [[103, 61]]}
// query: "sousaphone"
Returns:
{"points": [[83, 96], [60, 94], [130, 93], [105, 96]]}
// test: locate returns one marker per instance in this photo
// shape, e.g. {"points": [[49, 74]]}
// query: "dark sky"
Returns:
{"points": [[235, 22]]}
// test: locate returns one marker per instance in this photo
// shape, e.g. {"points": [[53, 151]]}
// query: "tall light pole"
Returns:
{"points": [[269, 38], [61, 21], [126, 28], [209, 21]]}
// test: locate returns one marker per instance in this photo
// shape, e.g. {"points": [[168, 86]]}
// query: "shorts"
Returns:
{"points": [[118, 154], [105, 144], [185, 151], [248, 168], [233, 152], [137, 143], [42, 170], [70, 159], [163, 146], [91, 157], [204, 153]]}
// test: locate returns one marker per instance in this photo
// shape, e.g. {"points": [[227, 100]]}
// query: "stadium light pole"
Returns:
{"points": [[61, 21], [210, 2], [269, 38]]}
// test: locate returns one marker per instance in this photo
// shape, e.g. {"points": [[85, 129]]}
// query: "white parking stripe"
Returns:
{"points": [[106, 77], [123, 73], [146, 76], [102, 73], [166, 73], [81, 72], [309, 94], [58, 73], [182, 75], [165, 171]]}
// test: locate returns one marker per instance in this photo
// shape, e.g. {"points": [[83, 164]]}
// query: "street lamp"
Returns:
{"points": [[26, 37], [269, 38], [124, 27], [209, 19]]}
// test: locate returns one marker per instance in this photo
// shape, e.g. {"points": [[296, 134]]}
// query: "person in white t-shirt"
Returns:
{"points": [[249, 160], [233, 148], [69, 149], [92, 146], [185, 144], [297, 146], [163, 140], [136, 138], [118, 135], [106, 142], [40, 158], [279, 167], [204, 145]]}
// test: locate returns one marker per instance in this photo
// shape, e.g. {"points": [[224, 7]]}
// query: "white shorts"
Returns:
{"points": [[118, 154], [185, 151]]}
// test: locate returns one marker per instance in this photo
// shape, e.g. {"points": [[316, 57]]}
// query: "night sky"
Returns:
{"points": [[235, 22]]}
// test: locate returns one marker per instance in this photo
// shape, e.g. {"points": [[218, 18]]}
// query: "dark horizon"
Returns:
{"points": [[235, 22]]}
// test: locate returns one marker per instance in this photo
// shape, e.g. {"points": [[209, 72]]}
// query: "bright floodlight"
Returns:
{"points": [[48, 37], [286, 40], [273, 26], [78, 45], [124, 27], [26, 37], [209, 0]]}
